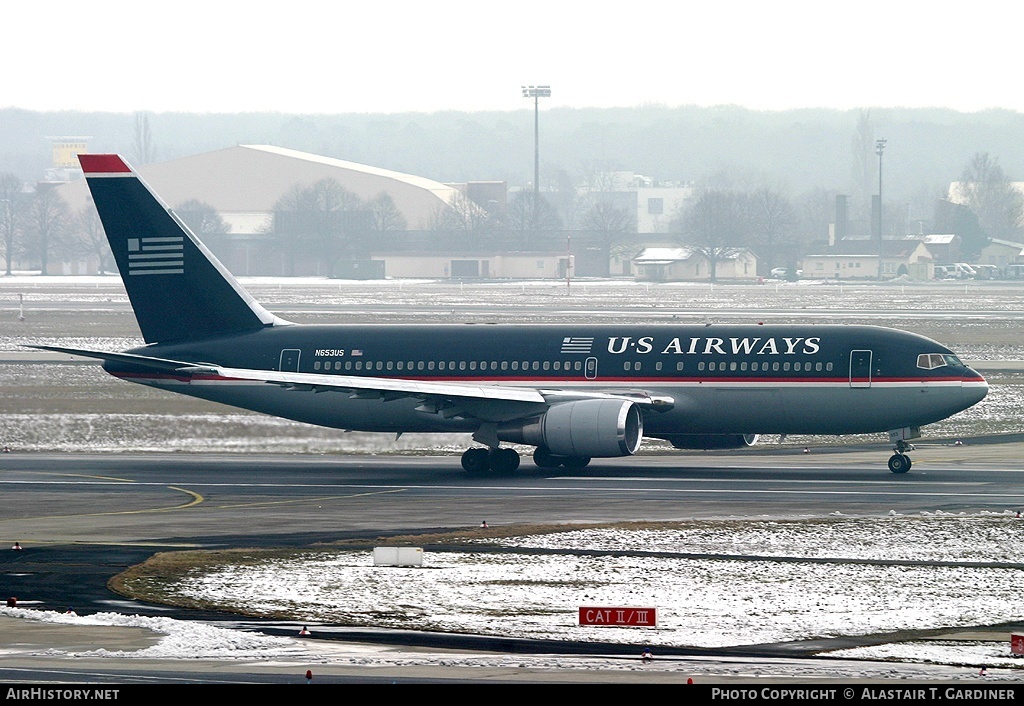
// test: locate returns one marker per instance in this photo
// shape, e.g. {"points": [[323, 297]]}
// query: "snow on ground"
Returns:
{"points": [[193, 640], [774, 581]]}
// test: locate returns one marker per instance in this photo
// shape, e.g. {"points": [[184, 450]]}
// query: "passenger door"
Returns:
{"points": [[860, 368], [289, 362]]}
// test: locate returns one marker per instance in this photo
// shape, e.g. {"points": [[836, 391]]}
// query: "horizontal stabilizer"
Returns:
{"points": [[157, 364]]}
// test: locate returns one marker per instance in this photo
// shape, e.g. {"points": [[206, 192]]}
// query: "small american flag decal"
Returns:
{"points": [[156, 256], [574, 344]]}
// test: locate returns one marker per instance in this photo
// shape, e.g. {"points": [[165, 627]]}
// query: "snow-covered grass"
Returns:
{"points": [[714, 584]]}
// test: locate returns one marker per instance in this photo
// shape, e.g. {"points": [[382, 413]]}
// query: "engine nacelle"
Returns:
{"points": [[591, 428], [712, 441]]}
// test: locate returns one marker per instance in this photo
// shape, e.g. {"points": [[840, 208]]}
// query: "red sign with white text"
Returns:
{"points": [[631, 616]]}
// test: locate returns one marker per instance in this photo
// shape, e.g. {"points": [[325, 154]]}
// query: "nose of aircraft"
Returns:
{"points": [[973, 388]]}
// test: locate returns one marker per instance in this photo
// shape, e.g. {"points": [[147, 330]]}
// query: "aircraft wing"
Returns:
{"points": [[487, 402]]}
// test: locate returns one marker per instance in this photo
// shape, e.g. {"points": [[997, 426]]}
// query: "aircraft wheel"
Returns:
{"points": [[476, 460], [575, 463], [899, 463], [504, 460], [543, 458]]}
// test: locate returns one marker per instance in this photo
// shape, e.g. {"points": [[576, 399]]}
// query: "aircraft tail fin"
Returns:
{"points": [[178, 289]]}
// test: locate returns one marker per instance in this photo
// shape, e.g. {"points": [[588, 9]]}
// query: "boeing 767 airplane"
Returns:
{"points": [[574, 392]]}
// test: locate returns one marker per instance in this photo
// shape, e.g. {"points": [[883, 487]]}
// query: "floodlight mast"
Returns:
{"points": [[536, 93]]}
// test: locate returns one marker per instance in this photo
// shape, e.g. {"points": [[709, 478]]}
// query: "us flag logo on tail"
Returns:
{"points": [[156, 256], [575, 344]]}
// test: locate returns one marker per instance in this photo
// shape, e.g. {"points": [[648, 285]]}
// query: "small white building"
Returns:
{"points": [[672, 264]]}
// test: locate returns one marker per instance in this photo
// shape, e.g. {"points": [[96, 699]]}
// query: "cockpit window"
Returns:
{"points": [[930, 361]]}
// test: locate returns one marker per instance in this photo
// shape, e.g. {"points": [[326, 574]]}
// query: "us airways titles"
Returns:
{"points": [[700, 345]]}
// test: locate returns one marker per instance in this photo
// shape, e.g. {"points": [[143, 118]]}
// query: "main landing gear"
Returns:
{"points": [[504, 461], [899, 462], [501, 461]]}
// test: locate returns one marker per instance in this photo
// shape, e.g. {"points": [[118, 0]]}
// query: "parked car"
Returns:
{"points": [[958, 270], [783, 273]]}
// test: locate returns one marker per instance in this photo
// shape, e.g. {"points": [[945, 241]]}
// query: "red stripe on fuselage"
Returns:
{"points": [[547, 382]]}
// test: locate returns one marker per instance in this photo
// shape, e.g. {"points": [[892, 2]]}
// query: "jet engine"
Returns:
{"points": [[584, 428], [712, 441]]}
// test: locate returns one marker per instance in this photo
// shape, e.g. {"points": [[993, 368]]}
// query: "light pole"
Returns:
{"points": [[879, 148], [536, 92]]}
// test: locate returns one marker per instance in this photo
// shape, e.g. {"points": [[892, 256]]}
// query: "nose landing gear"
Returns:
{"points": [[900, 462]]}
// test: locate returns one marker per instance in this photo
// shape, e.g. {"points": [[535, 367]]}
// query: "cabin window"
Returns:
{"points": [[627, 366], [504, 365], [796, 367], [430, 365], [359, 365], [637, 366], [515, 365], [700, 365], [657, 366], [462, 365], [316, 365], [536, 365], [679, 366], [732, 366], [348, 365], [419, 365], [785, 366], [743, 366], [828, 367], [817, 367], [775, 367], [558, 365], [390, 365], [547, 365], [400, 365], [472, 365], [578, 366]]}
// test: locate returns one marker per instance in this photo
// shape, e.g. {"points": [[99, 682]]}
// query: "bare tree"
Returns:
{"points": [[143, 148], [525, 220], [202, 218], [385, 215], [611, 225], [324, 217], [773, 223], [991, 195], [88, 238], [461, 215], [13, 211], [47, 226], [863, 162], [716, 223]]}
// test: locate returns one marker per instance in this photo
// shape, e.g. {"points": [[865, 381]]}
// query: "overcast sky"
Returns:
{"points": [[336, 57]]}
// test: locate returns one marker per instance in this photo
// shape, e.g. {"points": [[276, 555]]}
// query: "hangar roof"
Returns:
{"points": [[251, 178]]}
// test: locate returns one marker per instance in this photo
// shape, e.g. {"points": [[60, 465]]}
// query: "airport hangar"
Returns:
{"points": [[243, 184]]}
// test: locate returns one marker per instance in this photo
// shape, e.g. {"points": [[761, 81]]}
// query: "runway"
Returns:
{"points": [[197, 499]]}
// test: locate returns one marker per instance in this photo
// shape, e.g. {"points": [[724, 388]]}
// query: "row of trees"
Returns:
{"points": [[327, 222], [38, 227], [985, 204]]}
